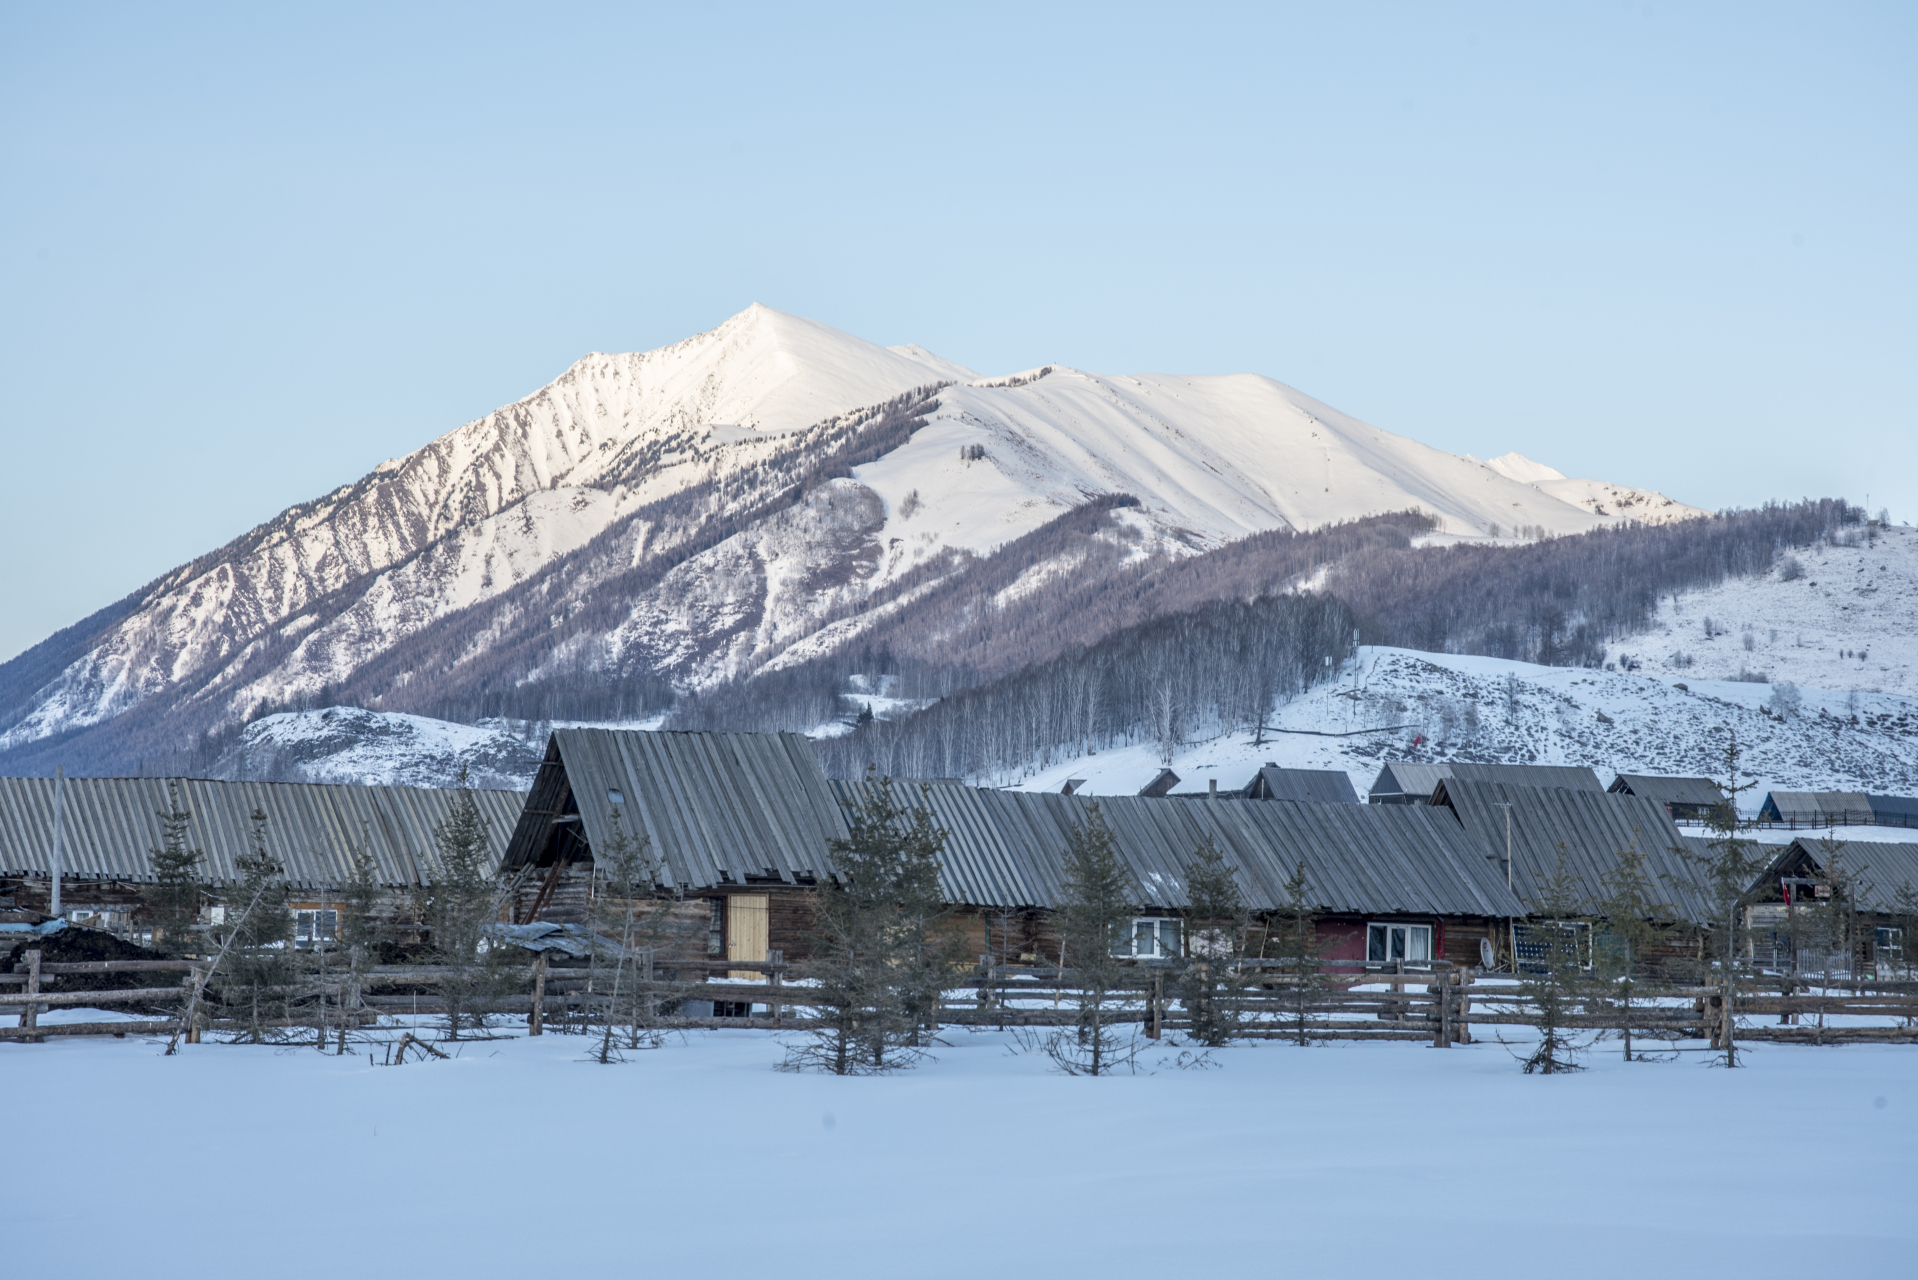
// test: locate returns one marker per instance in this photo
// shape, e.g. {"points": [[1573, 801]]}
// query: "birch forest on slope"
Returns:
{"points": [[1184, 649]]}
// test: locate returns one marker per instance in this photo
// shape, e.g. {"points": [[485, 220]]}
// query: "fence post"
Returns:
{"points": [[1464, 1028], [536, 1025], [30, 1014], [778, 959], [1152, 1023], [1442, 1035]]}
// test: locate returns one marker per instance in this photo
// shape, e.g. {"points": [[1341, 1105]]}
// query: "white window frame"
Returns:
{"points": [[1384, 929], [1164, 938]]}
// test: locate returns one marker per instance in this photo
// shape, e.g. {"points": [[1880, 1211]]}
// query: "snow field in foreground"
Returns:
{"points": [[701, 1158]]}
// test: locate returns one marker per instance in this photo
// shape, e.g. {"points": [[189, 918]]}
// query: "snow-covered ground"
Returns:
{"points": [[1401, 704], [1849, 622], [520, 1158]]}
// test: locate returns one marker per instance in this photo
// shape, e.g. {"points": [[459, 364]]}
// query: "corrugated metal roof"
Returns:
{"points": [[1322, 786], [1404, 778], [1881, 869], [1593, 826], [1701, 792], [1006, 848], [109, 825], [1896, 811], [1817, 808], [717, 807]]}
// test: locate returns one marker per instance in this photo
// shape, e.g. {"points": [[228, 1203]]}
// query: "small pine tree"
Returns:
{"points": [[1211, 983], [363, 928], [877, 971], [1551, 969], [258, 980], [626, 911], [1094, 912], [1904, 925], [1630, 908], [926, 956], [1293, 937], [174, 897], [459, 908], [1727, 869]]}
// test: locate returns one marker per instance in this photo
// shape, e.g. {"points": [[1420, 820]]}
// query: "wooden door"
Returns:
{"points": [[746, 931]]}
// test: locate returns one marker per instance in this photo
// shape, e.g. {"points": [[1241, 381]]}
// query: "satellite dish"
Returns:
{"points": [[1487, 955]]}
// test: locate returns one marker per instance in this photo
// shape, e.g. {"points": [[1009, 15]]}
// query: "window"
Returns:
{"points": [[1890, 940], [1386, 943], [716, 927], [1152, 938], [311, 926]]}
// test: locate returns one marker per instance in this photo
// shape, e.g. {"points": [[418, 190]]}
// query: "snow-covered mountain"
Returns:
{"points": [[692, 513]]}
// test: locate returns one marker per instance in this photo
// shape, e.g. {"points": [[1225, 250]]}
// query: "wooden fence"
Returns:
{"points": [[1441, 1005]]}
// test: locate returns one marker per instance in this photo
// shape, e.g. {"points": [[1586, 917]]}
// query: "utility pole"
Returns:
{"points": [[59, 786], [1508, 842]]}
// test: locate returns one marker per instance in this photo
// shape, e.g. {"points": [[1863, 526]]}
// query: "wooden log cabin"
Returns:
{"points": [[1874, 882], [1588, 829], [108, 828], [741, 826]]}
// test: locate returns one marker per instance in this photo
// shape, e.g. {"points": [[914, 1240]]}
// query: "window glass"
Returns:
{"points": [[1418, 942], [1375, 943], [312, 926], [1169, 937]]}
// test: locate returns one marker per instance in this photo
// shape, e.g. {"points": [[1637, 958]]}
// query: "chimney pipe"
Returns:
{"points": [[1212, 788]]}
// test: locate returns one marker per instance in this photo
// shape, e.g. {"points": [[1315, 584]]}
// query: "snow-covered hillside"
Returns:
{"points": [[370, 748], [1838, 616], [1447, 707], [1391, 704], [625, 463]]}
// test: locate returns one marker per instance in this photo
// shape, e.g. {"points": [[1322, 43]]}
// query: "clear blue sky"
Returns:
{"points": [[248, 253]]}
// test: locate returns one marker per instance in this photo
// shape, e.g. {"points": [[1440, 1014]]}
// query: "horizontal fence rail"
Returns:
{"points": [[1439, 1004]]}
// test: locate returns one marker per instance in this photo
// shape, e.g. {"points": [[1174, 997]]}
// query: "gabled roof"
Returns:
{"points": [[1881, 869], [1701, 792], [1404, 778], [718, 807], [1592, 826], [1006, 848], [1817, 808], [1323, 786], [109, 826], [1895, 811]]}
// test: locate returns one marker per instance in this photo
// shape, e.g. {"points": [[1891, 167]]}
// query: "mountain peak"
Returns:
{"points": [[1516, 466]]}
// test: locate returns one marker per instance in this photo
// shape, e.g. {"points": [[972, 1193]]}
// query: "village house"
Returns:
{"points": [[1686, 799], [1791, 901], [741, 825], [1401, 782], [1528, 832], [107, 828]]}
